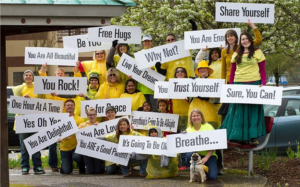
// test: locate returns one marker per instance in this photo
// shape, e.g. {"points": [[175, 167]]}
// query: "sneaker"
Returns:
{"points": [[38, 171], [182, 168], [25, 171], [127, 175], [56, 169], [143, 174]]}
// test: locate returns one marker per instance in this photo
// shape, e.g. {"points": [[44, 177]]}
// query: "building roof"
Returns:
{"points": [[127, 3]]}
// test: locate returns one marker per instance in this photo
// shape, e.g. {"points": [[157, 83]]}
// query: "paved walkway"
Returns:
{"points": [[76, 180]]}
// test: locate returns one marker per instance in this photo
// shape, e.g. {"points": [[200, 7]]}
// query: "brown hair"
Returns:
{"points": [[186, 76], [118, 132], [233, 33], [198, 111], [241, 49]]}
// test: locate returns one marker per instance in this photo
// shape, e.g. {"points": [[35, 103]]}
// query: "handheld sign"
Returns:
{"points": [[144, 145], [193, 88], [22, 105], [122, 106], [147, 77], [209, 38], [50, 135], [60, 85], [101, 149], [161, 91], [100, 130], [53, 56], [241, 12], [82, 44], [162, 54], [197, 141], [124, 34], [251, 94], [35, 123], [166, 122]]}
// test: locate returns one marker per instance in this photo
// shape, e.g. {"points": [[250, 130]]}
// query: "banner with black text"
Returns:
{"points": [[161, 91]]}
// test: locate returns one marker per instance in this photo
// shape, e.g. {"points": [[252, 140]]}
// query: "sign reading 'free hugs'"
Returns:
{"points": [[241, 12], [162, 54], [251, 94], [147, 77], [209, 38], [53, 56]]}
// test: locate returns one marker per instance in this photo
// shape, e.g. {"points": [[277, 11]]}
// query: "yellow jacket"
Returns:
{"points": [[95, 65], [86, 124], [137, 99], [110, 90], [124, 77]]}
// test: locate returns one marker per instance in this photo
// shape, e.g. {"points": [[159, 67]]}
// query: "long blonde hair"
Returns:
{"points": [[115, 71], [198, 111]]}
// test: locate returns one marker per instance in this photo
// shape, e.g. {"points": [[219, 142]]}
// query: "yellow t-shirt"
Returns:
{"points": [[110, 90], [248, 69], [86, 124], [69, 143], [137, 99], [204, 127]]}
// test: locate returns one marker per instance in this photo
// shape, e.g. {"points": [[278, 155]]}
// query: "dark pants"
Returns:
{"points": [[94, 165], [36, 157], [53, 155], [111, 169], [67, 158]]}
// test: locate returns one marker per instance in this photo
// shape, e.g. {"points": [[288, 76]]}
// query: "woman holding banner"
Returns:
{"points": [[209, 158], [112, 87], [27, 90], [245, 122], [137, 97], [93, 165], [123, 128], [98, 63]]}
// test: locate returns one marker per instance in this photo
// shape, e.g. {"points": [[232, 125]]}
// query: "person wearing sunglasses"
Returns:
{"points": [[98, 63], [169, 67], [113, 87], [93, 165]]}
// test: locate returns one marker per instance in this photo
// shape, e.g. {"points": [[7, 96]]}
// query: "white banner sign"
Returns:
{"points": [[251, 94], [209, 38], [162, 54], [35, 123], [241, 12], [144, 145], [101, 149], [22, 105], [82, 44], [194, 88], [166, 122], [53, 56], [122, 106], [50, 135], [161, 91], [124, 34], [147, 77], [60, 85], [197, 141], [102, 129]]}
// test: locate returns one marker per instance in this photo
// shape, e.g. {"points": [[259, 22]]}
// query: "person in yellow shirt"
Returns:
{"points": [[113, 87], [68, 145], [137, 97], [27, 90], [93, 165], [98, 63], [93, 86]]}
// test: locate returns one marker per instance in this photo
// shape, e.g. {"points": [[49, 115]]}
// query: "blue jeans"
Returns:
{"points": [[211, 164], [150, 98], [36, 157], [183, 160], [111, 169], [94, 165], [67, 158], [52, 156], [143, 166]]}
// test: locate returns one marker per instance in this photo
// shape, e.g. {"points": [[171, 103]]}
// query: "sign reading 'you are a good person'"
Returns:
{"points": [[241, 12]]}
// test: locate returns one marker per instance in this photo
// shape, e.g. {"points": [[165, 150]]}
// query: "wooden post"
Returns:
{"points": [[4, 172]]}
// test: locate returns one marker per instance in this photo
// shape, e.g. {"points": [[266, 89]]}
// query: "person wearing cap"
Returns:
{"points": [[171, 66], [113, 59], [209, 109], [98, 63], [148, 93], [27, 90], [112, 87], [93, 86]]}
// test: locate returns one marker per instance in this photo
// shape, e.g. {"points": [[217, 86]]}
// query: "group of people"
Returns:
{"points": [[237, 63]]}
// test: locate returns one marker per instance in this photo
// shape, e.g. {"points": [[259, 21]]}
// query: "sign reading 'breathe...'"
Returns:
{"points": [[241, 12]]}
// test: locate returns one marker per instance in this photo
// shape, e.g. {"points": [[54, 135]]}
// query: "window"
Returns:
{"points": [[270, 110], [292, 108]]}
